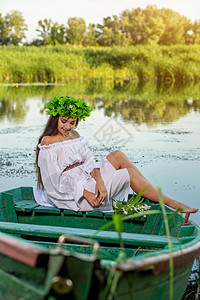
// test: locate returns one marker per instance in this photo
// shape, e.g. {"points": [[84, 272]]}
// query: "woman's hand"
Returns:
{"points": [[100, 191], [91, 198]]}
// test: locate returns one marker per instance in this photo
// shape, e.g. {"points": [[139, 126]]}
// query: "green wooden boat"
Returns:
{"points": [[47, 253]]}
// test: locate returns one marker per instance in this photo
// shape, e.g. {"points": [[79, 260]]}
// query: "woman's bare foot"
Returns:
{"points": [[185, 208]]}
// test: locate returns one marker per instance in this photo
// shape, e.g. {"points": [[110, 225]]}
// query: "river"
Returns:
{"points": [[157, 127]]}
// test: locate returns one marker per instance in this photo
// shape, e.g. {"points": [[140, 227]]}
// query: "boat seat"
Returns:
{"points": [[26, 205], [32, 206], [108, 237]]}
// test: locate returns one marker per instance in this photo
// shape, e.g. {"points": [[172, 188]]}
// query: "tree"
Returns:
{"points": [[111, 32], [174, 27], [44, 30], [58, 34], [4, 31], [144, 26], [76, 31], [107, 36], [17, 27], [90, 37], [51, 33], [132, 22], [153, 25], [194, 33], [12, 28]]}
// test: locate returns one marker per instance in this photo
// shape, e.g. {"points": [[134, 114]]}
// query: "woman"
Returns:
{"points": [[69, 178]]}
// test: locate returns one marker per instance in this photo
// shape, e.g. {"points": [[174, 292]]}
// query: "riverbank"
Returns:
{"points": [[62, 63]]}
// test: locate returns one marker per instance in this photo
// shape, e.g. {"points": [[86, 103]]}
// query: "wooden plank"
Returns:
{"points": [[27, 193], [187, 239], [3, 215], [108, 216], [103, 236], [174, 223], [74, 213], [11, 215], [2, 205], [20, 250], [160, 262], [187, 230], [47, 210], [94, 214], [26, 205], [154, 222], [2, 209], [16, 193], [108, 253], [73, 219]]}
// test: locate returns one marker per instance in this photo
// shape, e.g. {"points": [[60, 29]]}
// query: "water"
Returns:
{"points": [[159, 130]]}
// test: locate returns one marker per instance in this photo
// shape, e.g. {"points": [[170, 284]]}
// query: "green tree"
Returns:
{"points": [[111, 32], [76, 31], [12, 28], [51, 33], [58, 34], [144, 26], [174, 27], [195, 33], [90, 37], [107, 36], [132, 24], [147, 26], [4, 31], [188, 33], [153, 25], [44, 30], [121, 39]]}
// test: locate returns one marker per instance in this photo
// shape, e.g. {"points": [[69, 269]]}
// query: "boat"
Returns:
{"points": [[48, 253]]}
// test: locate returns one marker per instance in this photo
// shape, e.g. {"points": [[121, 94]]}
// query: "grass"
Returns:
{"points": [[60, 63]]}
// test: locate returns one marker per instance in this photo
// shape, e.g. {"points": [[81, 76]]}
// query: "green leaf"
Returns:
{"points": [[118, 223], [138, 197], [60, 105]]}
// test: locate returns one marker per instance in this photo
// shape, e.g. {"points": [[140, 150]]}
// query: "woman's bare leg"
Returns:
{"points": [[138, 182]]}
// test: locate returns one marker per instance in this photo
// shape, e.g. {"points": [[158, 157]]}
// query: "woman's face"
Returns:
{"points": [[66, 125]]}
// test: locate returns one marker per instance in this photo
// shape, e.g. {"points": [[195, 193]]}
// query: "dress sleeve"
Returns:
{"points": [[89, 163], [56, 185]]}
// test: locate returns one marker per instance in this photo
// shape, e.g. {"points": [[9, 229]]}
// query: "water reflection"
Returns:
{"points": [[149, 103], [13, 109], [144, 111]]}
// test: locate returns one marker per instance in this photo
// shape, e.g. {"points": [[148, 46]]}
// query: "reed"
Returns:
{"points": [[61, 63]]}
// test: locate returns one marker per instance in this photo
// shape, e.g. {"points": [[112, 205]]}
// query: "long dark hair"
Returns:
{"points": [[50, 129]]}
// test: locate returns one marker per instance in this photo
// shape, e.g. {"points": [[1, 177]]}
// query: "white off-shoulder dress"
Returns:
{"points": [[64, 189]]}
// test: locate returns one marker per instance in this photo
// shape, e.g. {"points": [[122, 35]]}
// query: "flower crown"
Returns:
{"points": [[68, 107]]}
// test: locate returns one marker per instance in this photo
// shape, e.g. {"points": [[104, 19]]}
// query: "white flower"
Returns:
{"points": [[70, 106]]}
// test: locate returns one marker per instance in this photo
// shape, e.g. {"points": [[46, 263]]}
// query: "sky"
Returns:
{"points": [[92, 11]]}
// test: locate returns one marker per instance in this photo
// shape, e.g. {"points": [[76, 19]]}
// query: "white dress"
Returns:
{"points": [[65, 189]]}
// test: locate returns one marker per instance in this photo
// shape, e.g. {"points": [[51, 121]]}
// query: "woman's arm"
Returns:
{"points": [[90, 167], [100, 190]]}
